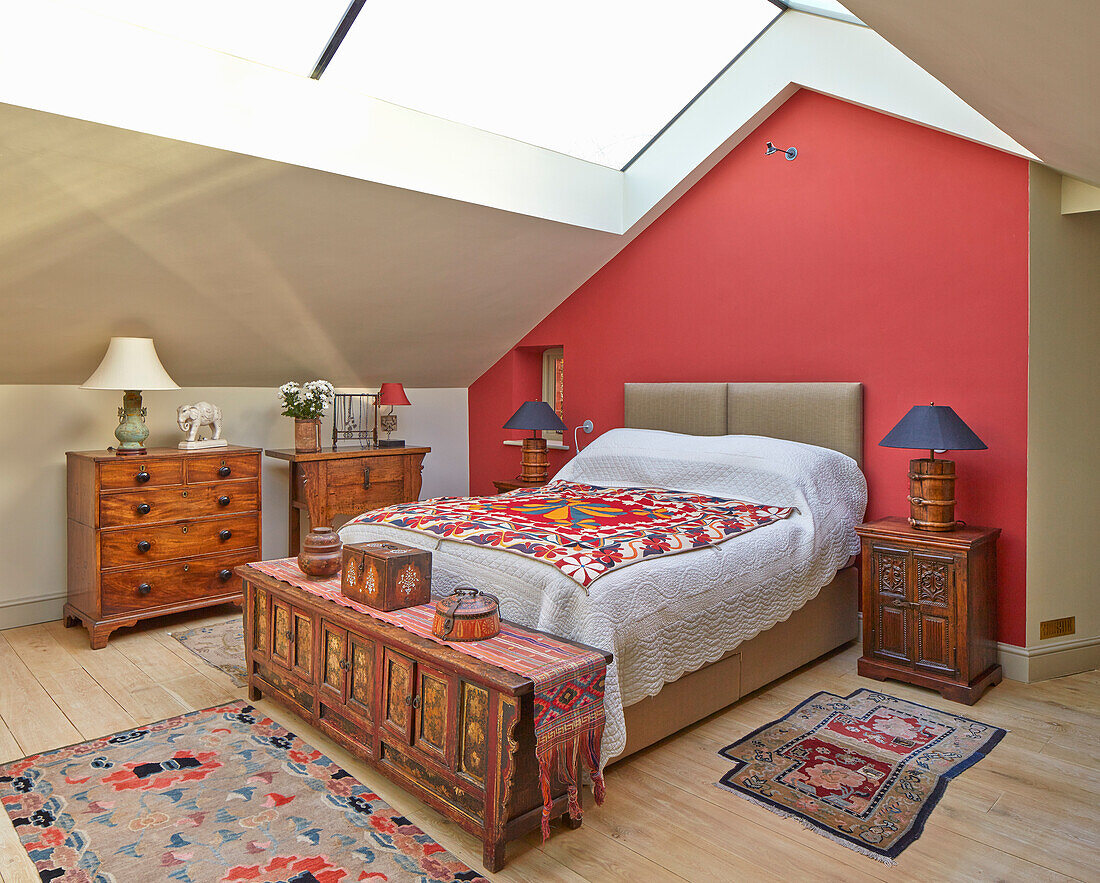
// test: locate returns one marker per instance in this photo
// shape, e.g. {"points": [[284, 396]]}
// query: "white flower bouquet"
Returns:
{"points": [[307, 401]]}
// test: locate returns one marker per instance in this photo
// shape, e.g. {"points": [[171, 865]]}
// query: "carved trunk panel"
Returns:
{"points": [[334, 661], [397, 691], [472, 729], [361, 677], [260, 626], [280, 633], [303, 644], [433, 712]]}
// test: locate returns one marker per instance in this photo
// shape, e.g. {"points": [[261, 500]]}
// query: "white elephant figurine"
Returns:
{"points": [[191, 418]]}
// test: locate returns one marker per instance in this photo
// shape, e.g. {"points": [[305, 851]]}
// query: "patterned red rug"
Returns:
{"points": [[224, 795], [864, 770]]}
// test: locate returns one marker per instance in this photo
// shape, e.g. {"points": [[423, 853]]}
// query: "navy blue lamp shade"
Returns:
{"points": [[535, 416], [934, 428]]}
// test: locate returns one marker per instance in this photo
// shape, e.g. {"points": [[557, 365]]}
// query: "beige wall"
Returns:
{"points": [[1063, 499], [43, 422]]}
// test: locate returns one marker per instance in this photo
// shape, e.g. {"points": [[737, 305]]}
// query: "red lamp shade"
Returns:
{"points": [[392, 394]]}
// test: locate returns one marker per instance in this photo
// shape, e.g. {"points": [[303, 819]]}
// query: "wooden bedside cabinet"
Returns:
{"points": [[158, 533], [929, 614]]}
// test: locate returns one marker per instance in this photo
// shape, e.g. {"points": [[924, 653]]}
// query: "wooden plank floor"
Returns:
{"points": [[1030, 811]]}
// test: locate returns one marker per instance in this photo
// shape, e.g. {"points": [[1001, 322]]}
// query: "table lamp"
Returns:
{"points": [[131, 365], [534, 416], [932, 481], [391, 394]]}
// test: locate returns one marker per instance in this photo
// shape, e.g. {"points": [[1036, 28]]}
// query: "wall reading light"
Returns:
{"points": [[587, 426], [790, 152]]}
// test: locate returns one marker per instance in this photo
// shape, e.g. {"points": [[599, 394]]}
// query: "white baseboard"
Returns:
{"points": [[1052, 659], [18, 612]]}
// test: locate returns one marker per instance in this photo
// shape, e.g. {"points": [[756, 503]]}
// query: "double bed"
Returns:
{"points": [[693, 632]]}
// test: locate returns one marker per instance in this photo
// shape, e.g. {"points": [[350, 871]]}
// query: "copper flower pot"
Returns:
{"points": [[321, 553]]}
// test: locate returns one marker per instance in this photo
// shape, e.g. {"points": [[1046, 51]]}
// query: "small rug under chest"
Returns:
{"points": [[224, 795], [865, 770]]}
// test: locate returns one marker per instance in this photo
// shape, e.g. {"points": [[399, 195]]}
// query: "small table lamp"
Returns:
{"points": [[932, 481], [130, 364], [534, 416], [391, 394]]}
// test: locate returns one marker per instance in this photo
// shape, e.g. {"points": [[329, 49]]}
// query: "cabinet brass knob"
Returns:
{"points": [[408, 700], [289, 635], [144, 509], [224, 574], [344, 664], [144, 546], [142, 477], [224, 471], [144, 589], [225, 534], [223, 501]]}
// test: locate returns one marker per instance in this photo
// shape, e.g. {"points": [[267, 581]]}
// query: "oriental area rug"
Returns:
{"points": [[223, 795], [864, 770], [220, 645]]}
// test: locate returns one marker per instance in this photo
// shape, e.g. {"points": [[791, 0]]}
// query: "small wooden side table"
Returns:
{"points": [[331, 483], [511, 484], [929, 612]]}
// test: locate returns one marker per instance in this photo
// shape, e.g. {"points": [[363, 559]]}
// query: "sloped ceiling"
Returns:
{"points": [[1031, 68], [249, 272]]}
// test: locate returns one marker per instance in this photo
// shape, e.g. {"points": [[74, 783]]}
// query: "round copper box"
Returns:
{"points": [[467, 615]]}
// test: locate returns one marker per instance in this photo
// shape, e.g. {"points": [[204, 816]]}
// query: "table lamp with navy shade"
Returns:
{"points": [[932, 482], [534, 416]]}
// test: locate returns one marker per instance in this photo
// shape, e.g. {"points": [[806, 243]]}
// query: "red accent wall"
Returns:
{"points": [[886, 253]]}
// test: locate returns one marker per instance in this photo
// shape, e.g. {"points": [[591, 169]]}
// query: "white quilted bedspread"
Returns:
{"points": [[667, 616]]}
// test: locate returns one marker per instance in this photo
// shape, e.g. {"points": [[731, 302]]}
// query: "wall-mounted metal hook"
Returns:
{"points": [[790, 152]]}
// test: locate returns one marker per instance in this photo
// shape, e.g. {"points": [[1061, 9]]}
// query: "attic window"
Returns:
{"points": [[553, 388]]}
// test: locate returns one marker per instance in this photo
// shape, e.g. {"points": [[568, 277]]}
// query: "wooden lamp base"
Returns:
{"points": [[534, 460], [932, 494]]}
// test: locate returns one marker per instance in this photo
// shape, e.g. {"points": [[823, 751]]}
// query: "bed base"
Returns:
{"points": [[828, 621]]}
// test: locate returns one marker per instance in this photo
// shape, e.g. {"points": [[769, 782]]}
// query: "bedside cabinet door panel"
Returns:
{"points": [[893, 639], [934, 597]]}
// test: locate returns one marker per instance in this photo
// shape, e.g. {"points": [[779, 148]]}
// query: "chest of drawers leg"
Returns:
{"points": [[158, 533]]}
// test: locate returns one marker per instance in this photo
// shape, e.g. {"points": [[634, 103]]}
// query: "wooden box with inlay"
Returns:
{"points": [[386, 576], [158, 533]]}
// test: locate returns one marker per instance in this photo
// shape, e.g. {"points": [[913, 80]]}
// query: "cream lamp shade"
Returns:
{"points": [[130, 363]]}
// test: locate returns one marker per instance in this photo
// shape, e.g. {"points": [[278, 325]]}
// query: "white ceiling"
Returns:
{"points": [[1031, 67]]}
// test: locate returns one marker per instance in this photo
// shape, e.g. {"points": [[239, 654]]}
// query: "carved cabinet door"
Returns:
{"points": [[334, 663], [933, 596], [890, 604], [398, 687], [302, 643], [433, 705]]}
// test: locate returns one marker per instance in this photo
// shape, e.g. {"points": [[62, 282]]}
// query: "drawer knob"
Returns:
{"points": [[144, 509], [344, 665], [144, 589], [144, 546], [224, 574], [142, 477], [223, 501], [225, 534], [224, 471]]}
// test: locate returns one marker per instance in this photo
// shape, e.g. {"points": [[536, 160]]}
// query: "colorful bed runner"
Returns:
{"points": [[583, 530], [569, 682]]}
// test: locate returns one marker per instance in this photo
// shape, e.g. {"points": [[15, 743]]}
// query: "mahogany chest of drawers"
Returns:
{"points": [[929, 612], [157, 533]]}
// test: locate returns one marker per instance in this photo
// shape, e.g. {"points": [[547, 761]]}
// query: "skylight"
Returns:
{"points": [[592, 80], [286, 34]]}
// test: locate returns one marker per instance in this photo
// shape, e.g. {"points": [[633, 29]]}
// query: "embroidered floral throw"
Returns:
{"points": [[583, 530]]}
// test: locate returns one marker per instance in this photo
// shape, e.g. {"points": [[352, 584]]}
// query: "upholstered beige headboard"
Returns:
{"points": [[825, 414]]}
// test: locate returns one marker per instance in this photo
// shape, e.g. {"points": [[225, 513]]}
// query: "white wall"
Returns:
{"points": [[43, 422]]}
